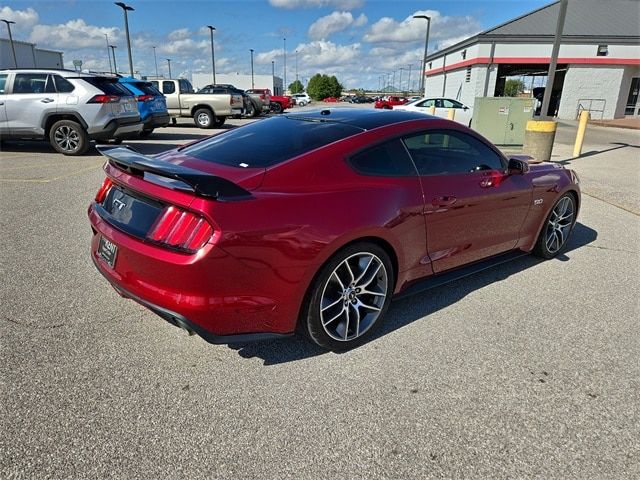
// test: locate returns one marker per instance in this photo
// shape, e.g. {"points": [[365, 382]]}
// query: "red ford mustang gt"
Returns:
{"points": [[314, 221]]}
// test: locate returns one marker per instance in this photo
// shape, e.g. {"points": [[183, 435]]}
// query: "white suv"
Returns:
{"points": [[66, 107], [302, 99]]}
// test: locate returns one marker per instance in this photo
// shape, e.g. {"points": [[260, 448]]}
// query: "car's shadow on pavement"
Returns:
{"points": [[407, 310]]}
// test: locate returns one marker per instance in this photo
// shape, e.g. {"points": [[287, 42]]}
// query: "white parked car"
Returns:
{"points": [[302, 99], [463, 113]]}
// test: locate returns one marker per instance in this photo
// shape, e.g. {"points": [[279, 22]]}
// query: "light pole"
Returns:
{"points": [[169, 64], [155, 60], [108, 56], [409, 79], [213, 55], [296, 65], [393, 82], [252, 83], [426, 45], [400, 82], [13, 48], [273, 76], [284, 78], [113, 52], [126, 8]]}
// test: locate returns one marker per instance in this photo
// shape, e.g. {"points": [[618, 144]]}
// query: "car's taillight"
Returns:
{"points": [[104, 189], [180, 229], [104, 99], [144, 98]]}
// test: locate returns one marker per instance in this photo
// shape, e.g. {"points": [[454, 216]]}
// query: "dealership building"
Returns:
{"points": [[598, 63]]}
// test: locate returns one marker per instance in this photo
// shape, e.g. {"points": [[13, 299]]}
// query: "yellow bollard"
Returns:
{"points": [[452, 114], [582, 127], [432, 110]]}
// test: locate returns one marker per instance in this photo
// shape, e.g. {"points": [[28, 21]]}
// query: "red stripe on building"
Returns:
{"points": [[535, 60]]}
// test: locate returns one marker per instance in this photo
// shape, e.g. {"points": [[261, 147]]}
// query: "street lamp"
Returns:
{"points": [[296, 65], [113, 52], [409, 79], [284, 78], [13, 48], [426, 45], [106, 37], [169, 63], [126, 9], [400, 82], [155, 60], [213, 56], [252, 83]]}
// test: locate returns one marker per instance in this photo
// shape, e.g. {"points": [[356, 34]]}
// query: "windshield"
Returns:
{"points": [[268, 142]]}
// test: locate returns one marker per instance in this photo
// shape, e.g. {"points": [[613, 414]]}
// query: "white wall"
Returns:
{"points": [[596, 82], [28, 56]]}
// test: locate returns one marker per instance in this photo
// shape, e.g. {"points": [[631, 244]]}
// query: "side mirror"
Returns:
{"points": [[465, 108], [518, 166]]}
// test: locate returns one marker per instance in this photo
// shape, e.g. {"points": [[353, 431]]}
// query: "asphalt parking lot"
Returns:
{"points": [[526, 370]]}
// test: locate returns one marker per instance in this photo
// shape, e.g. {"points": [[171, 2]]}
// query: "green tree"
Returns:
{"points": [[296, 87], [323, 86], [513, 87]]}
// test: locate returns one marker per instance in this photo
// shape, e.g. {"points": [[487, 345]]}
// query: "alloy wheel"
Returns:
{"points": [[559, 224], [67, 138], [203, 119], [353, 296]]}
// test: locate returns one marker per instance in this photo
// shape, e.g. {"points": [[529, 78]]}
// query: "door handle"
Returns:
{"points": [[444, 201], [47, 100], [511, 126], [1, 103]]}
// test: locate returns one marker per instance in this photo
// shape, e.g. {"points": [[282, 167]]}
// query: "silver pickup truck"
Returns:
{"points": [[207, 110]]}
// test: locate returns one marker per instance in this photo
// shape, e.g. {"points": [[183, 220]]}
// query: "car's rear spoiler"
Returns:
{"points": [[200, 183]]}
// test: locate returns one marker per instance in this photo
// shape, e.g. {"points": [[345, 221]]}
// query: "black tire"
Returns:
{"points": [[204, 118], [146, 133], [174, 121], [275, 107], [219, 121], [311, 322], [555, 233], [68, 137]]}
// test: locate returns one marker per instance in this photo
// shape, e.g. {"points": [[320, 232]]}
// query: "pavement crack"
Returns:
{"points": [[33, 327], [599, 247]]}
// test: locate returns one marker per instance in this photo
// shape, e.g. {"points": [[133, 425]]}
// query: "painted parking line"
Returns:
{"points": [[29, 167], [49, 180]]}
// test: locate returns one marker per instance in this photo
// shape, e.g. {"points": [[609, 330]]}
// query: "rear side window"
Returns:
{"points": [[168, 88], [62, 84], [3, 82], [107, 85], [448, 152], [146, 88], [185, 86], [33, 83], [268, 142], [387, 160]]}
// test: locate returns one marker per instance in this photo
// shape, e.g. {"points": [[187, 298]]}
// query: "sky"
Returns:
{"points": [[356, 40]]}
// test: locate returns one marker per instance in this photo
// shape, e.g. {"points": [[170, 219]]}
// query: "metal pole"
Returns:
{"points": [[13, 48], [113, 52], [213, 56], [108, 56], [155, 60], [273, 76], [426, 46], [554, 60], [169, 63], [393, 82], [401, 68], [296, 65], [284, 79], [126, 9], [252, 82]]}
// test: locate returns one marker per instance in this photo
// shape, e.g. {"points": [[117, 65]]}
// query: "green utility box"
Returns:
{"points": [[502, 119]]}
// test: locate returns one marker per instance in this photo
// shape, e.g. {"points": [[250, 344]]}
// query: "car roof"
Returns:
{"points": [[59, 71], [360, 118]]}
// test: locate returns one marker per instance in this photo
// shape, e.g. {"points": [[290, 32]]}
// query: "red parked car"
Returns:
{"points": [[280, 103], [331, 100], [390, 102], [239, 237]]}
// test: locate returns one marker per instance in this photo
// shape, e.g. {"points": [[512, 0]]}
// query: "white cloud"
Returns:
{"points": [[335, 22], [412, 30], [25, 19], [180, 34], [185, 46], [323, 54], [342, 4], [68, 35]]}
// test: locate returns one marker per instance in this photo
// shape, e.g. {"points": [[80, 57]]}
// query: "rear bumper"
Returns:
{"points": [[156, 120], [118, 128], [210, 293]]}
